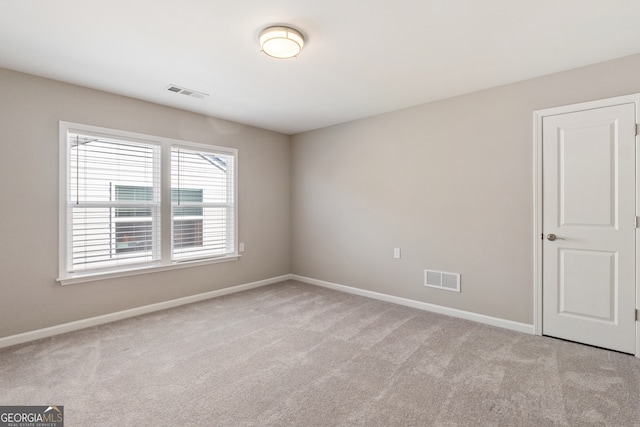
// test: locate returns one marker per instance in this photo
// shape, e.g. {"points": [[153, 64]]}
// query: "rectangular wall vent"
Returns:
{"points": [[188, 92], [442, 280]]}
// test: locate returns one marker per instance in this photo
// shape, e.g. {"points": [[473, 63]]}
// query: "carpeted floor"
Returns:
{"points": [[293, 354]]}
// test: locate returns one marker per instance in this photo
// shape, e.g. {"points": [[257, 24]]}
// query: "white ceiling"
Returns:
{"points": [[362, 57]]}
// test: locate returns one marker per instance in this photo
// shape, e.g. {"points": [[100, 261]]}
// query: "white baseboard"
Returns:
{"points": [[467, 315], [112, 317]]}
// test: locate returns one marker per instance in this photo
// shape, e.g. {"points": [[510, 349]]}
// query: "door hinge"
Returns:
{"points": [[637, 129], [637, 315], [638, 222]]}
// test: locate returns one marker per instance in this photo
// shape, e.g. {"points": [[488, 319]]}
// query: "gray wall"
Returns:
{"points": [[30, 297], [450, 182]]}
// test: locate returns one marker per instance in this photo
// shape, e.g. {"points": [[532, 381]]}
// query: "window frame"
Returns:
{"points": [[165, 261]]}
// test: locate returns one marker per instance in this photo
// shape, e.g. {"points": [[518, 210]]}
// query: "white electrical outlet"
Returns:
{"points": [[241, 247], [396, 253]]}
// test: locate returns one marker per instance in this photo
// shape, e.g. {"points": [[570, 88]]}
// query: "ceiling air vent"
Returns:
{"points": [[187, 92], [442, 280]]}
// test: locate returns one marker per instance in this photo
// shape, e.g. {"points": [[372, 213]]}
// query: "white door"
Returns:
{"points": [[588, 224]]}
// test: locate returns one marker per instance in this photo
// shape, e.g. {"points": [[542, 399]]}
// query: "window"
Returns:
{"points": [[132, 202]]}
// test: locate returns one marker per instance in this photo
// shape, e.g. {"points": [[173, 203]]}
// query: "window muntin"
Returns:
{"points": [[111, 217]]}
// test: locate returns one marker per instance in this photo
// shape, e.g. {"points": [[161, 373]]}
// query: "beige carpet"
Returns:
{"points": [[298, 355]]}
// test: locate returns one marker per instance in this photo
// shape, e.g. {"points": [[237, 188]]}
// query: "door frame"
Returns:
{"points": [[538, 116]]}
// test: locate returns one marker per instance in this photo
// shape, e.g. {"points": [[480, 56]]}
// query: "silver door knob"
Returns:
{"points": [[552, 237]]}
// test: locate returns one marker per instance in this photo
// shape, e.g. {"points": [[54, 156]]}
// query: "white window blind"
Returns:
{"points": [[110, 225], [202, 204], [116, 189]]}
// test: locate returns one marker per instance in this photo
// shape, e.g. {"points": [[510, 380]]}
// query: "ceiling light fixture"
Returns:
{"points": [[281, 42]]}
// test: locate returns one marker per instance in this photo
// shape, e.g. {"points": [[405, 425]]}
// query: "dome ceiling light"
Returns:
{"points": [[281, 42]]}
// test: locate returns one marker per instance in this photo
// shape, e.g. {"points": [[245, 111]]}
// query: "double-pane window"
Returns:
{"points": [[126, 207]]}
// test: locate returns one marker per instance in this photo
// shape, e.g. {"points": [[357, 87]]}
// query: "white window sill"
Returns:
{"points": [[92, 277]]}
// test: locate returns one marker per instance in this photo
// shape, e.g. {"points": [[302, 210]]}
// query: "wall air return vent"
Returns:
{"points": [[442, 280], [187, 92]]}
